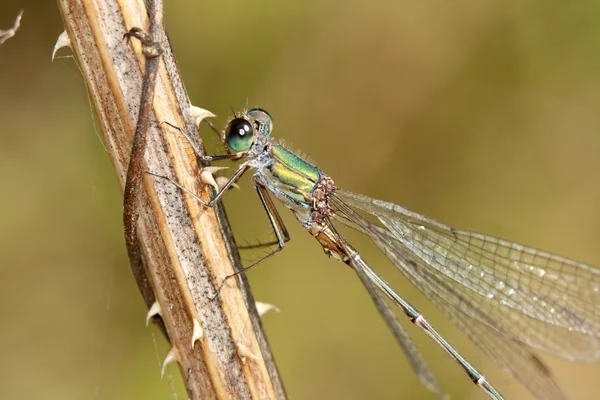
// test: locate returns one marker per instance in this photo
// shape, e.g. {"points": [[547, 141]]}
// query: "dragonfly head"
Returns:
{"points": [[241, 132]]}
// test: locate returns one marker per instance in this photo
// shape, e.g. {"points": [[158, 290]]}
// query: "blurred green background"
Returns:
{"points": [[482, 114]]}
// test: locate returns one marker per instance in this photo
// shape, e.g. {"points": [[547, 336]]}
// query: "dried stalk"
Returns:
{"points": [[187, 250], [8, 33]]}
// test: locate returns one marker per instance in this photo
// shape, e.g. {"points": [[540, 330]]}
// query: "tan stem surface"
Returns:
{"points": [[187, 249]]}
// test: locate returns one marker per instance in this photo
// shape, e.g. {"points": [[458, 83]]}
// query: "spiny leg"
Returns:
{"points": [[238, 174], [212, 127], [278, 220], [259, 245], [277, 224], [208, 158], [199, 154]]}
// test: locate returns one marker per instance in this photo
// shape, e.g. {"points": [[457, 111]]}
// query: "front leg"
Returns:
{"points": [[238, 174], [200, 154], [281, 232]]}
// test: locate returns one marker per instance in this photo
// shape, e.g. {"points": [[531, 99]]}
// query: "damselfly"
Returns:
{"points": [[508, 298]]}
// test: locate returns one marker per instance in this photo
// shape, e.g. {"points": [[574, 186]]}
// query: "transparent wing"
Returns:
{"points": [[524, 295], [513, 356]]}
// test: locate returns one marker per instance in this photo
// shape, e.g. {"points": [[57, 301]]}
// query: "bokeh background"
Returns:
{"points": [[482, 114]]}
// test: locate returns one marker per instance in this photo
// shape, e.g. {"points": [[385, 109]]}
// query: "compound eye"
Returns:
{"points": [[239, 134], [264, 120]]}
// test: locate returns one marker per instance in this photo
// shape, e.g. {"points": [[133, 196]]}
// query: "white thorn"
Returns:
{"points": [[7, 34], [206, 176], [200, 113], [208, 179], [154, 310], [197, 333], [244, 353], [172, 355], [263, 308], [222, 180], [62, 41]]}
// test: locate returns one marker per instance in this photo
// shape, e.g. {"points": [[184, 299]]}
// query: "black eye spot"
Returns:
{"points": [[239, 134], [240, 127]]}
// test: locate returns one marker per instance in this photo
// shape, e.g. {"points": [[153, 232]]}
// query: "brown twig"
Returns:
{"points": [[7, 34], [135, 170], [185, 250]]}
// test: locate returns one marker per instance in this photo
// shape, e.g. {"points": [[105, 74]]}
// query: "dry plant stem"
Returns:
{"points": [[186, 249], [135, 170], [7, 34]]}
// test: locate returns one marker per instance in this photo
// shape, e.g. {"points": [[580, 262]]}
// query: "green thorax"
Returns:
{"points": [[292, 178], [297, 166]]}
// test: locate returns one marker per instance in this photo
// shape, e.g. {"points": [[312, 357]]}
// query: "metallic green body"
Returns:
{"points": [[291, 179], [295, 163]]}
